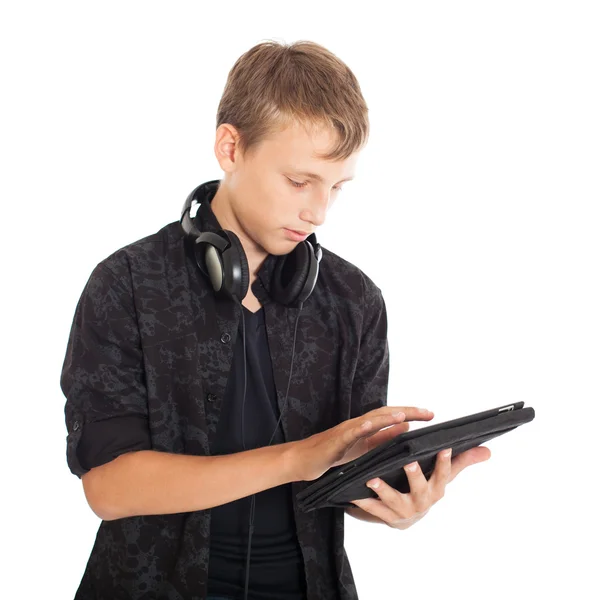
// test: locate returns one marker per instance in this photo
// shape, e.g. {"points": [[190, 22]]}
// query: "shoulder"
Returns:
{"points": [[145, 256], [343, 279]]}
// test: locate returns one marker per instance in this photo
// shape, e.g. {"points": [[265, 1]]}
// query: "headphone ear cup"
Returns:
{"points": [[291, 273], [213, 264], [201, 254], [235, 267]]}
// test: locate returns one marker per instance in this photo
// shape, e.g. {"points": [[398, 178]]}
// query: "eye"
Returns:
{"points": [[337, 188], [295, 184]]}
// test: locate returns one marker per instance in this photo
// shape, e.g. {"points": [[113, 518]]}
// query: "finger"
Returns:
{"points": [[399, 503], [369, 425], [419, 486], [374, 439], [417, 414], [412, 412], [467, 458], [372, 424], [384, 435], [383, 410], [441, 474], [377, 508]]}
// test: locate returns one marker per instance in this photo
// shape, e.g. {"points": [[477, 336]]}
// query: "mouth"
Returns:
{"points": [[296, 236]]}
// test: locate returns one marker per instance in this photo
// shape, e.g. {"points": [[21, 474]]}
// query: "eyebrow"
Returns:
{"points": [[318, 177]]}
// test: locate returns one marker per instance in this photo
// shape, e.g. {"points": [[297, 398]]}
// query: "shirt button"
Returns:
{"points": [[75, 425], [225, 338], [211, 397]]}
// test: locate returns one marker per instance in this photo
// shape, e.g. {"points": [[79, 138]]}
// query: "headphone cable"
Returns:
{"points": [[253, 497]]}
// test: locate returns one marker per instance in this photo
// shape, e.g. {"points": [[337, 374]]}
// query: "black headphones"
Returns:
{"points": [[221, 257]]}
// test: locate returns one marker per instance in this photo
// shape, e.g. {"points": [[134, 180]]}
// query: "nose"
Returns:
{"points": [[316, 210]]}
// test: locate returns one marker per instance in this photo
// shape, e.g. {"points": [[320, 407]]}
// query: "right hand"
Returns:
{"points": [[319, 452]]}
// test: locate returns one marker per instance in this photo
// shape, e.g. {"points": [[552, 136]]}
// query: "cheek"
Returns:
{"points": [[262, 222], [270, 213]]}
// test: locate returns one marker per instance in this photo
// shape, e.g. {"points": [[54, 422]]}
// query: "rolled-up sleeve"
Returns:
{"points": [[102, 378], [370, 383]]}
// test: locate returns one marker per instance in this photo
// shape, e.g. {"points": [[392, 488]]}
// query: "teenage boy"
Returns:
{"points": [[208, 383]]}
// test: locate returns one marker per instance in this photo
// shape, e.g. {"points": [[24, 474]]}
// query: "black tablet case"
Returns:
{"points": [[339, 485]]}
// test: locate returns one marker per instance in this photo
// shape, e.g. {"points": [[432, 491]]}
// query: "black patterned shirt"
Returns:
{"points": [[150, 350]]}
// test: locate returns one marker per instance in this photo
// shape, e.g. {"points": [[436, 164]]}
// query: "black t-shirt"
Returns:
{"points": [[276, 565]]}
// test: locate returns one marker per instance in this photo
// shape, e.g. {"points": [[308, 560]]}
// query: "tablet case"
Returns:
{"points": [[339, 485]]}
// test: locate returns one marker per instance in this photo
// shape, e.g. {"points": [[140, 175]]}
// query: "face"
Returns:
{"points": [[281, 185]]}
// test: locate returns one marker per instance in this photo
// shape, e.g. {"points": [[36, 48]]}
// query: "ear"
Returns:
{"points": [[226, 146]]}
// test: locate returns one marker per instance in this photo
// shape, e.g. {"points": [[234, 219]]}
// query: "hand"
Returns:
{"points": [[314, 455], [400, 511], [374, 439]]}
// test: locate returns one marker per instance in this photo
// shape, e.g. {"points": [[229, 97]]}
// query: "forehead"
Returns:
{"points": [[299, 148], [297, 137]]}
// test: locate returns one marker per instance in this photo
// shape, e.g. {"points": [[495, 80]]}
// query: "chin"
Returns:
{"points": [[280, 247]]}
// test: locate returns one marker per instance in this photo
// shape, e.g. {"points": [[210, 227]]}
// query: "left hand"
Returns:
{"points": [[400, 511]]}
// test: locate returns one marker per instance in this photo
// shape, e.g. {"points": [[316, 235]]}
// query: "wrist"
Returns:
{"points": [[289, 461]]}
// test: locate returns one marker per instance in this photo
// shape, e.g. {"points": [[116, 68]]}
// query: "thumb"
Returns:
{"points": [[468, 458]]}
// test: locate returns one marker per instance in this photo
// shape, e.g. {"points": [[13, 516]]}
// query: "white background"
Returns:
{"points": [[475, 209]]}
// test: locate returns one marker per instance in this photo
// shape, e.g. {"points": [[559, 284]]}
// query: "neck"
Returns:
{"points": [[223, 210]]}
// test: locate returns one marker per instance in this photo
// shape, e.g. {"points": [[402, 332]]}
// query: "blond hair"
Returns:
{"points": [[273, 85]]}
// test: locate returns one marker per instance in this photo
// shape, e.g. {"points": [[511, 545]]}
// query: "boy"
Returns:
{"points": [[208, 383]]}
